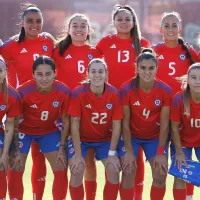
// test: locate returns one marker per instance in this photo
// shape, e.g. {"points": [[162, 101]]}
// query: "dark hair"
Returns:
{"points": [[5, 81], [146, 54], [95, 60], [66, 40], [41, 60], [185, 46], [135, 31], [26, 8], [186, 88]]}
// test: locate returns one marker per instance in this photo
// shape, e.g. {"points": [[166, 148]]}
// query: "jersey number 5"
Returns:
{"points": [[171, 66], [99, 118], [44, 115]]}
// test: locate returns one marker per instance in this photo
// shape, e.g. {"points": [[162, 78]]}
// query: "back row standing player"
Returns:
{"points": [[120, 51], [174, 58], [19, 52], [72, 56]]}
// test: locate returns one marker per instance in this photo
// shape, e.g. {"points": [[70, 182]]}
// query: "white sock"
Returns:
{"points": [[189, 197]]}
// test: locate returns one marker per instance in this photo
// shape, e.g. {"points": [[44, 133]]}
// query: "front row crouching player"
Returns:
{"points": [[146, 107], [185, 113], [9, 105], [43, 99], [96, 114]]}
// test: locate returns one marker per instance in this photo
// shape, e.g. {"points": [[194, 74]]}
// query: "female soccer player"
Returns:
{"points": [[9, 105], [96, 114], [43, 100], [174, 58], [20, 52], [185, 113], [72, 56], [146, 106], [120, 51]]}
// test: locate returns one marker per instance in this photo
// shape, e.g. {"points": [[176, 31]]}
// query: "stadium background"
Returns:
{"points": [[56, 13]]}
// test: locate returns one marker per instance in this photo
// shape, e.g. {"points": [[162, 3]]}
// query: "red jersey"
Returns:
{"points": [[40, 111], [96, 113], [145, 108], [172, 64], [10, 107], [72, 66], [199, 56], [120, 57], [189, 125], [20, 57]]}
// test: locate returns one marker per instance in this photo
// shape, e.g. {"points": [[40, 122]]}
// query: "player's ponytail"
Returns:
{"points": [[26, 8], [186, 89], [64, 42], [186, 49], [135, 31]]}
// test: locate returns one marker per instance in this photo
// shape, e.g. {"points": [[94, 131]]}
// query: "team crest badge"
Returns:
{"points": [[2, 107], [182, 57], [109, 106], [90, 56], [55, 104], [45, 48], [157, 102]]}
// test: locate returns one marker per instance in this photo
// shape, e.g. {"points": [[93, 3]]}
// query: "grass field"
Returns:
{"points": [[48, 195]]}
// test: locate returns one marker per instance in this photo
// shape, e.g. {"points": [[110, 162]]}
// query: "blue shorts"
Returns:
{"points": [[187, 151], [1, 141], [101, 149], [149, 147], [47, 143]]}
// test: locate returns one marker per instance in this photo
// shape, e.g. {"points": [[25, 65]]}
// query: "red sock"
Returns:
{"points": [[15, 185], [77, 193], [179, 194], [3, 185], [90, 190], [189, 189], [60, 185], [38, 174], [126, 194], [139, 178], [157, 193], [110, 191]]}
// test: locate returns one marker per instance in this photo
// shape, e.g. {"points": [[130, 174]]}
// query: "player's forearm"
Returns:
{"points": [[116, 130], [9, 132], [176, 137], [75, 133], [66, 127], [164, 131], [126, 134]]}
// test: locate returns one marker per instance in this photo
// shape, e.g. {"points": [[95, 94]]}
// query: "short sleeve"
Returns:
{"points": [[117, 112]]}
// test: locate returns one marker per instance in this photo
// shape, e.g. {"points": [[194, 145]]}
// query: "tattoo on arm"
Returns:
{"points": [[15, 141]]}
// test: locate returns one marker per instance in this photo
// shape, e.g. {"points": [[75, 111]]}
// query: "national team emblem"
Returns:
{"points": [[45, 48], [90, 56], [182, 57], [109, 106], [71, 150], [55, 104], [157, 102], [21, 144], [2, 107]]}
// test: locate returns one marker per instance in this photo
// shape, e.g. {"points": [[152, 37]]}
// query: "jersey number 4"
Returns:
{"points": [[146, 113], [99, 118]]}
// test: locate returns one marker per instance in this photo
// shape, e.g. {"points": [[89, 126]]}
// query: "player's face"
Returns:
{"points": [[171, 28], [44, 76], [123, 22], [97, 74], [147, 70], [79, 29], [194, 80], [2, 72], [32, 24]]}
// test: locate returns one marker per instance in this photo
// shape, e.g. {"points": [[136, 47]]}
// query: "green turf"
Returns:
{"points": [[48, 195]]}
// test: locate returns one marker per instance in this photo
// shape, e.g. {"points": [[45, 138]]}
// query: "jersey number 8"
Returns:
{"points": [[44, 115]]}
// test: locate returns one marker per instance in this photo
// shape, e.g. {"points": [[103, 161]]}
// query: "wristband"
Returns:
{"points": [[160, 150], [111, 153]]}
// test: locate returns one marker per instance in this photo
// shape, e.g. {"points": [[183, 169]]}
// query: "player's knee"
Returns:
{"points": [[90, 164], [159, 180]]}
